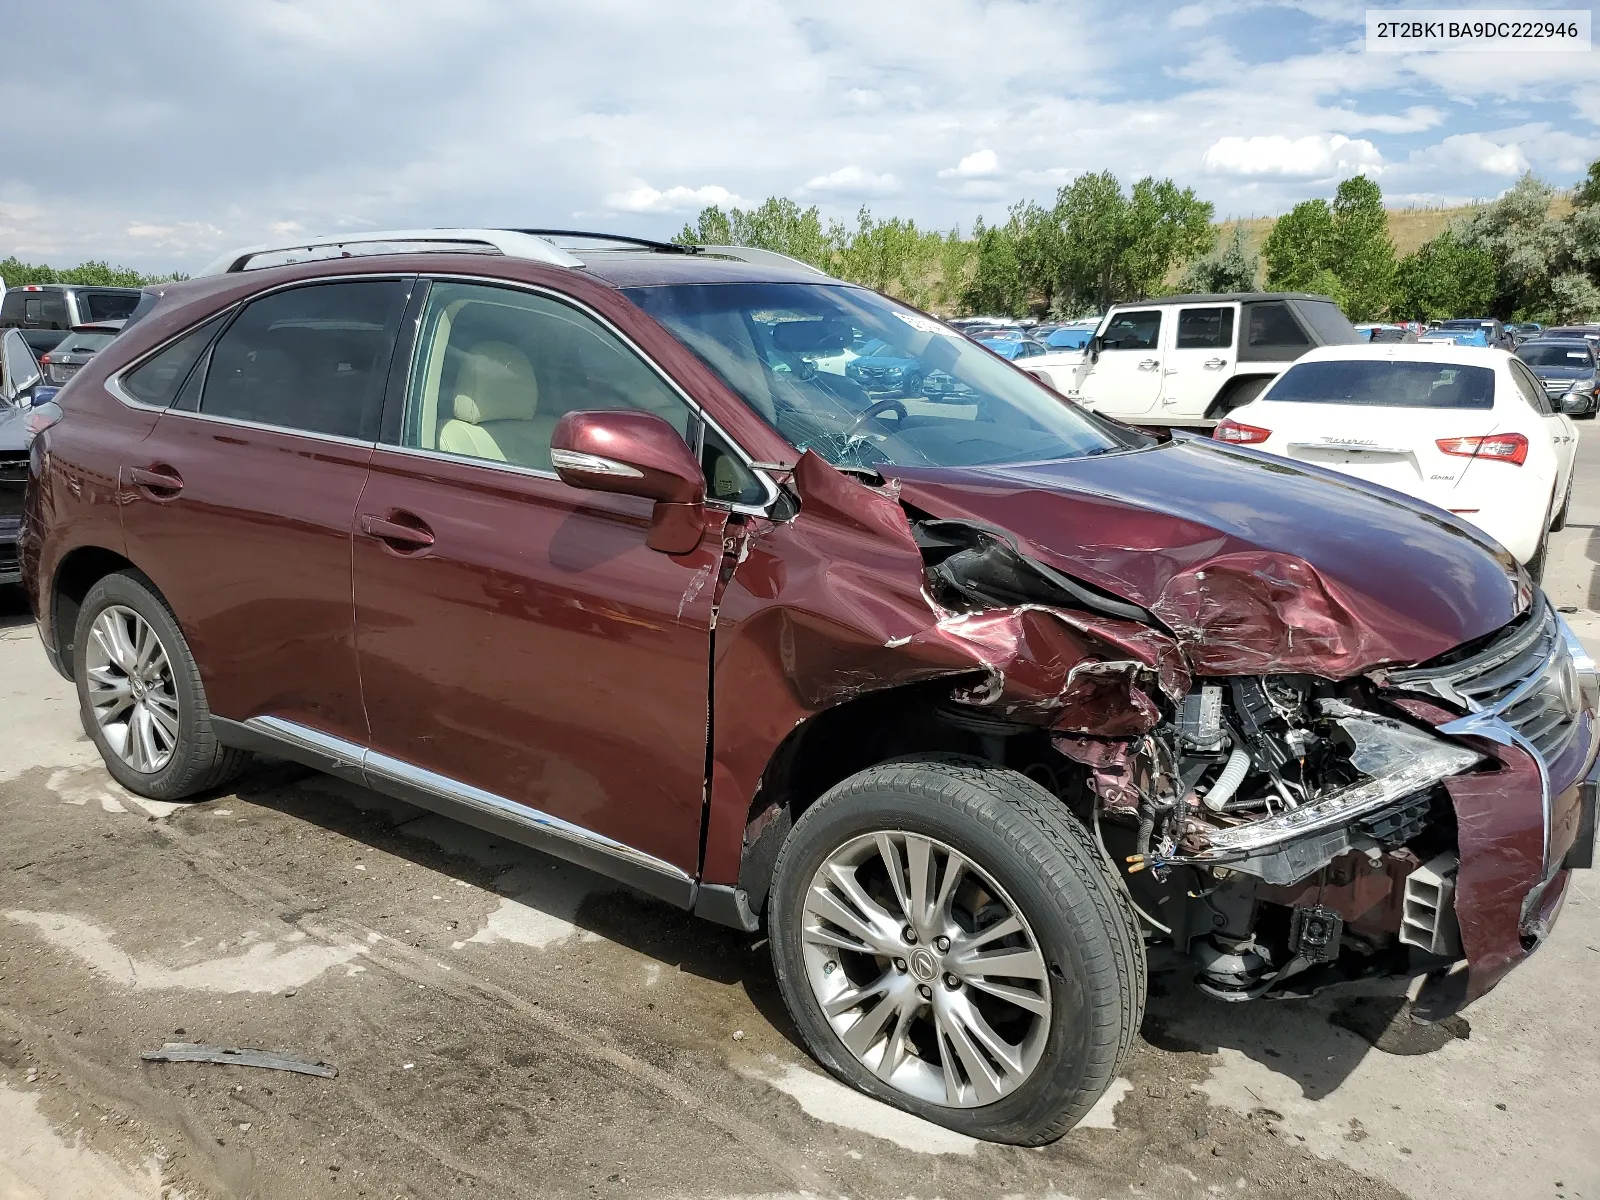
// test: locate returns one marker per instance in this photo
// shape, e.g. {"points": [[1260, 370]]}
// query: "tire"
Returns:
{"points": [[1560, 522], [911, 388], [193, 760], [1074, 913]]}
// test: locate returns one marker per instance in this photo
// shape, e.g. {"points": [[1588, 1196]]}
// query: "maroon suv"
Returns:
{"points": [[966, 692]]}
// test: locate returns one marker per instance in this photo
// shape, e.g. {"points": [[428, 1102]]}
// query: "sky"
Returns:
{"points": [[157, 134]]}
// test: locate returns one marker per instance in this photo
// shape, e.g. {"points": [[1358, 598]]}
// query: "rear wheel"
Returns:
{"points": [[948, 940], [912, 387], [140, 696]]}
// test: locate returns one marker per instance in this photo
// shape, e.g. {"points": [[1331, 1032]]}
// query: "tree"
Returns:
{"points": [[1230, 268], [996, 286], [1519, 234], [1361, 254], [1587, 194], [1298, 247], [1444, 278], [1036, 238], [16, 273], [1573, 298], [1115, 247], [777, 224]]}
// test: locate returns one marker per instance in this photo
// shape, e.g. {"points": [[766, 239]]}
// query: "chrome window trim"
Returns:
{"points": [[373, 763], [230, 311], [237, 423], [468, 461], [573, 302]]}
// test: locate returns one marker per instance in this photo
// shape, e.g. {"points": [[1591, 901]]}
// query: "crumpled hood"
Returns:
{"points": [[1257, 564]]}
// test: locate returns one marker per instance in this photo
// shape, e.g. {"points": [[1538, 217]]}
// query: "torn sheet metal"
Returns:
{"points": [[229, 1056], [835, 604], [1214, 543]]}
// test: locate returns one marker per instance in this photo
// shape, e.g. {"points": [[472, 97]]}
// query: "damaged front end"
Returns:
{"points": [[1286, 808], [1288, 831]]}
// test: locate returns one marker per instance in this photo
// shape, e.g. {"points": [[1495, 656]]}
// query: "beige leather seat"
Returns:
{"points": [[496, 410]]}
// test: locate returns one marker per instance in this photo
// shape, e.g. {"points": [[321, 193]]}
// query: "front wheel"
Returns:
{"points": [[140, 696], [948, 940]]}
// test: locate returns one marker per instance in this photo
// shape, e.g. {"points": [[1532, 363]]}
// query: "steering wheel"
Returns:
{"points": [[877, 410]]}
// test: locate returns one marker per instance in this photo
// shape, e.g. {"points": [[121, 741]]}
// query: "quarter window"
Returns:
{"points": [[1132, 331], [1271, 325], [312, 358], [495, 369], [1205, 329], [157, 381]]}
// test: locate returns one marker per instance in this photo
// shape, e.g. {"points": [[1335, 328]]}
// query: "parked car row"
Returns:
{"points": [[998, 692]]}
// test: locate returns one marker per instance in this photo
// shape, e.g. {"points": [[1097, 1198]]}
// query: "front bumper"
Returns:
{"points": [[1523, 828]]}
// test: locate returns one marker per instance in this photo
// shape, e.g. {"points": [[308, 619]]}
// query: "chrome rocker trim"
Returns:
{"points": [[462, 802]]}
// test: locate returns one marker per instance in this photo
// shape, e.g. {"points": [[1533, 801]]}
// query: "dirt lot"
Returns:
{"points": [[506, 1025]]}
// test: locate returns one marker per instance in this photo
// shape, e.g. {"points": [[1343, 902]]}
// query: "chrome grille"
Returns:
{"points": [[1526, 678]]}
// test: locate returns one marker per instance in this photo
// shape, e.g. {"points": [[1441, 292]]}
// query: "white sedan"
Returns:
{"points": [[1468, 430]]}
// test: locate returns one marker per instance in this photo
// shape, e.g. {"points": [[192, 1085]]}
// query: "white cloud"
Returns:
{"points": [[1311, 157], [980, 164], [1414, 120], [646, 199], [1473, 152], [853, 181]]}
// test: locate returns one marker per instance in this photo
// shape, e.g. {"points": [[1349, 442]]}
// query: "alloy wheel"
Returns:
{"points": [[131, 690], [925, 969]]}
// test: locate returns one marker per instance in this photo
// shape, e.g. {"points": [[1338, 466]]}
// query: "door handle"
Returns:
{"points": [[1214, 364], [158, 481], [396, 534], [1149, 364]]}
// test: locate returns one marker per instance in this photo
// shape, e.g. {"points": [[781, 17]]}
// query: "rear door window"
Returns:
{"points": [[1384, 383], [1132, 330], [1205, 329], [157, 380], [313, 359], [1532, 390]]}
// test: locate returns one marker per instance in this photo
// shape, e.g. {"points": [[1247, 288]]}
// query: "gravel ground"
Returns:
{"points": [[507, 1025]]}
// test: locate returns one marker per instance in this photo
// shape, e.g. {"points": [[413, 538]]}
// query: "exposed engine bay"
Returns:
{"points": [[1282, 832]]}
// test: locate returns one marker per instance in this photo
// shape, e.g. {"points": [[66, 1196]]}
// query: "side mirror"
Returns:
{"points": [[635, 454], [19, 370]]}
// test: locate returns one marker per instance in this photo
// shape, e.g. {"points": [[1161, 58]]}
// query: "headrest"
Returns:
{"points": [[496, 383]]}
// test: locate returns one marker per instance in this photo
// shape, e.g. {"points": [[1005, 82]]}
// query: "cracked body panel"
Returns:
{"points": [[874, 588]]}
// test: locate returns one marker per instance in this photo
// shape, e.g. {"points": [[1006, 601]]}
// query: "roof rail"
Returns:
{"points": [[510, 242], [769, 258], [619, 238]]}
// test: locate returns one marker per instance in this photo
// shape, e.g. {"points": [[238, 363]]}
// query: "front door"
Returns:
{"points": [[517, 636], [239, 503], [1199, 359], [1124, 379]]}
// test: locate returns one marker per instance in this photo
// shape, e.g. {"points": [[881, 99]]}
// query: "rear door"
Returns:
{"points": [[1199, 358], [239, 504], [1563, 433], [1124, 378]]}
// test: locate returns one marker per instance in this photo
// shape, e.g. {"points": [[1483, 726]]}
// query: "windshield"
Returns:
{"points": [[927, 397], [1385, 383], [1560, 354], [84, 343]]}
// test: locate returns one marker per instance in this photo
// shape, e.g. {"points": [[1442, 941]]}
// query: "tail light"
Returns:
{"points": [[1239, 433], [1501, 447]]}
